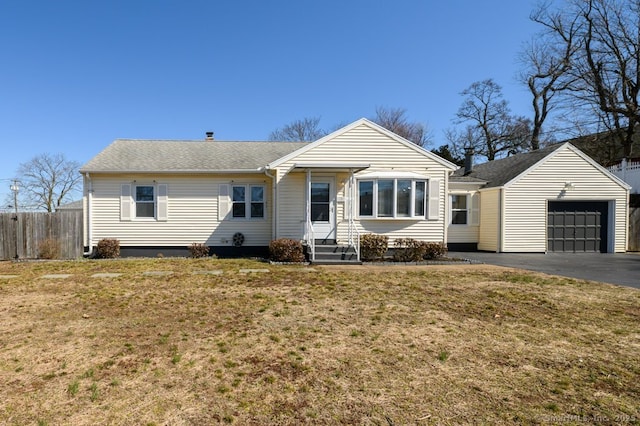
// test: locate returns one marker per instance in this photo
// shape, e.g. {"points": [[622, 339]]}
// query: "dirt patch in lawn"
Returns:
{"points": [[438, 344]]}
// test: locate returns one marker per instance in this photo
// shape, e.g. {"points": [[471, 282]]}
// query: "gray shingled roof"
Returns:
{"points": [[73, 205], [499, 172], [126, 155]]}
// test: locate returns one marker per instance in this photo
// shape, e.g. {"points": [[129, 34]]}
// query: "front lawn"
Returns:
{"points": [[367, 345]]}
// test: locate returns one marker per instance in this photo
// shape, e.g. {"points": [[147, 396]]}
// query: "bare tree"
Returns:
{"points": [[605, 63], [48, 180], [491, 130], [546, 67], [395, 120], [303, 130]]}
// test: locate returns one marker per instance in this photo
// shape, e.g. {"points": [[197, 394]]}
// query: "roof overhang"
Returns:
{"points": [[329, 167], [391, 174], [171, 172]]}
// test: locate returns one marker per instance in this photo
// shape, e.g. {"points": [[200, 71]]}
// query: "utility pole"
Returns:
{"points": [[15, 188]]}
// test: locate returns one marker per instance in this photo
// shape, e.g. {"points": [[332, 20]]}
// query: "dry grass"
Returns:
{"points": [[418, 345]]}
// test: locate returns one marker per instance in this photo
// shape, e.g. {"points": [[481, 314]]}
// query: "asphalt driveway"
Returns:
{"points": [[622, 269]]}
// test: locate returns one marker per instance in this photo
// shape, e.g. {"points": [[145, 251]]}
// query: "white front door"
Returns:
{"points": [[323, 216]]}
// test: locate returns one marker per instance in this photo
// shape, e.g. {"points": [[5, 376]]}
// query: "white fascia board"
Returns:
{"points": [[533, 167], [581, 154], [591, 161], [312, 145], [170, 172], [391, 174], [344, 166], [374, 126]]}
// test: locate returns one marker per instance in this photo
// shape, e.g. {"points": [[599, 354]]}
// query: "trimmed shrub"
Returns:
{"points": [[286, 250], [435, 250], [197, 250], [49, 249], [108, 248], [409, 250], [373, 246]]}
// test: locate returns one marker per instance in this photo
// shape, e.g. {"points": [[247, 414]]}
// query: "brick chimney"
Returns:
{"points": [[209, 136]]}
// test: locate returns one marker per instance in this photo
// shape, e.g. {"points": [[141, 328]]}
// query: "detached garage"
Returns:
{"points": [[556, 199]]}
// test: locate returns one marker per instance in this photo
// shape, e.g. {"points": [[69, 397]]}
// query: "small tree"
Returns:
{"points": [[395, 120], [304, 130], [48, 180]]}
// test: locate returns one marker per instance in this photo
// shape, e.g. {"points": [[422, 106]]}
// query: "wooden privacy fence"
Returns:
{"points": [[634, 229], [23, 237]]}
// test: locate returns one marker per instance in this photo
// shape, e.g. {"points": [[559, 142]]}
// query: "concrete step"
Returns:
{"points": [[336, 262], [335, 254]]}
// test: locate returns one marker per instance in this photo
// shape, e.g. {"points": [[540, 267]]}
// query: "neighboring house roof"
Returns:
{"points": [[500, 172], [73, 205], [161, 156], [370, 124], [605, 147]]}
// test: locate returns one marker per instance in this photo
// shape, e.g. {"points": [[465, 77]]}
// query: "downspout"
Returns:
{"points": [[88, 216], [274, 209], [501, 220], [445, 225]]}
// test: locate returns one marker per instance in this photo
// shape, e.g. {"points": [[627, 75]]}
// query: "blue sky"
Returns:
{"points": [[76, 75]]}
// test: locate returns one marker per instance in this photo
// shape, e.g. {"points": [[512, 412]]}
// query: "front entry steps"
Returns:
{"points": [[330, 253]]}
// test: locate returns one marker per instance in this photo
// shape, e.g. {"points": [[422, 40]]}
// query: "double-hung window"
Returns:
{"points": [[247, 201], [459, 209], [392, 198], [145, 201]]}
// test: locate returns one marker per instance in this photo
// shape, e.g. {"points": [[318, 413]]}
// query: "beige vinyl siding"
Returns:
{"points": [[361, 144], [463, 233], [291, 205], [489, 220], [525, 213], [192, 212]]}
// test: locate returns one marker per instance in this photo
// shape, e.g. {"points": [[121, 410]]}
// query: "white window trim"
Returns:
{"points": [[128, 202], [247, 202], [471, 207], [394, 216], [136, 202]]}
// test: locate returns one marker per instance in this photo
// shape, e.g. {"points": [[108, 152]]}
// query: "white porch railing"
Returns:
{"points": [[354, 237], [625, 165], [353, 232], [311, 240], [628, 171]]}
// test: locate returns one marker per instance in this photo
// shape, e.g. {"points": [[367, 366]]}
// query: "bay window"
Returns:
{"points": [[392, 198]]}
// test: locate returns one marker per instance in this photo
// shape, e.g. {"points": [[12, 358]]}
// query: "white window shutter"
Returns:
{"points": [[125, 202], [224, 201], [434, 199], [475, 209], [163, 202]]}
